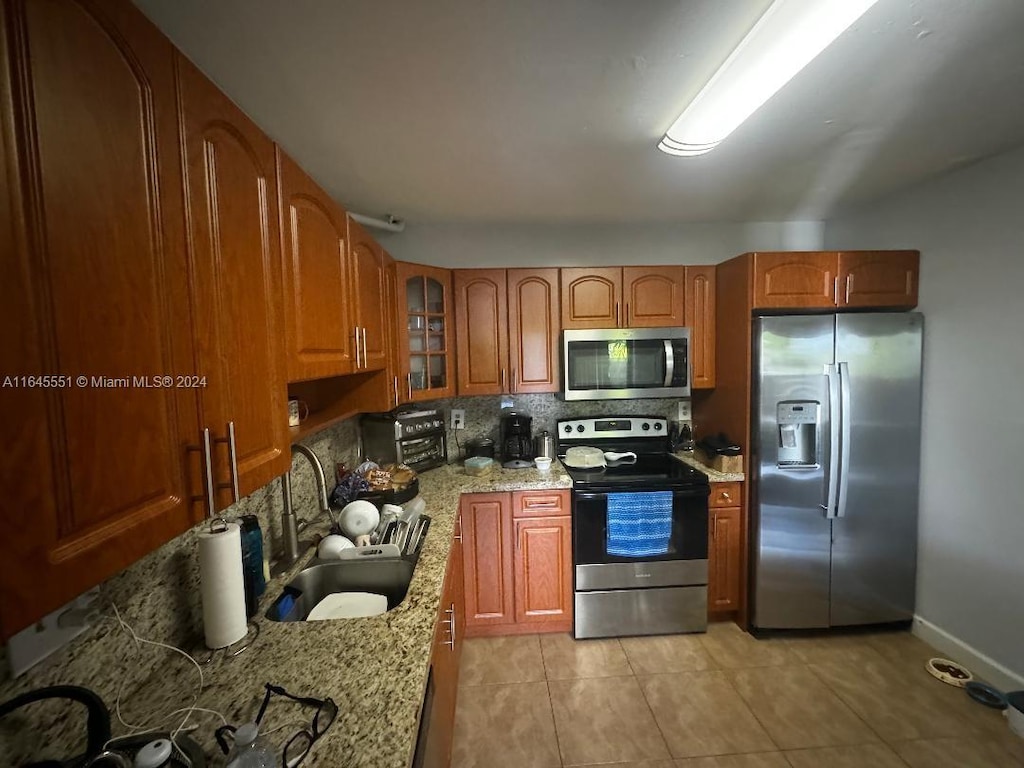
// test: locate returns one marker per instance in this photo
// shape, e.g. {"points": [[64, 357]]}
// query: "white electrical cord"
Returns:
{"points": [[187, 710]]}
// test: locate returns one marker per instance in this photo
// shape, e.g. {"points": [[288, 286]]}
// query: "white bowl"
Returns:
{"points": [[358, 518], [543, 463], [332, 546]]}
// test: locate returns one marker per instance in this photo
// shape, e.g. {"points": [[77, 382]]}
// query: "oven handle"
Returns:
{"points": [[684, 492]]}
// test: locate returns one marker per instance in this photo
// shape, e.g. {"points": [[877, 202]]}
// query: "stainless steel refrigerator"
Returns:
{"points": [[837, 427]]}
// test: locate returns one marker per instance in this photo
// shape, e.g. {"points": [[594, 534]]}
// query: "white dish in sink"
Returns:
{"points": [[349, 605]]}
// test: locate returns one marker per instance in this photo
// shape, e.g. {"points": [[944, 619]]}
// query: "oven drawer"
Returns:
{"points": [[666, 573], [625, 612], [540, 504], [725, 495]]}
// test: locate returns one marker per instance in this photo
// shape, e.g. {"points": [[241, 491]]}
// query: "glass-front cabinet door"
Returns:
{"points": [[426, 349]]}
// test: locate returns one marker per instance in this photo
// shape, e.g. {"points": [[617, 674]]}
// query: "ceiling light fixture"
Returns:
{"points": [[782, 42]]}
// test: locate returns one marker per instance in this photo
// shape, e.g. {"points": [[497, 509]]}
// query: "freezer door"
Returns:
{"points": [[874, 552], [792, 533]]}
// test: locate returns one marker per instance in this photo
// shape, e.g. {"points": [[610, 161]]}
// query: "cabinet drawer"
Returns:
{"points": [[540, 503], [725, 495]]}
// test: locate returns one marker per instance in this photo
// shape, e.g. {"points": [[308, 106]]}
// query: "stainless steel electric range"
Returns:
{"points": [[639, 532]]}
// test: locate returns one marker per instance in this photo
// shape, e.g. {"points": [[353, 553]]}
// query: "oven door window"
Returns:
{"points": [[619, 364], [689, 539]]}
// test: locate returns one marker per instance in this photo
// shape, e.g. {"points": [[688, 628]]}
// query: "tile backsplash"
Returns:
{"points": [[483, 412]]}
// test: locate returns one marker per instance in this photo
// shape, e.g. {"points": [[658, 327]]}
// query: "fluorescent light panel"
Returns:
{"points": [[785, 40]]}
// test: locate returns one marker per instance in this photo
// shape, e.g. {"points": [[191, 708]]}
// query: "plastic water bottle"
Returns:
{"points": [[249, 750]]}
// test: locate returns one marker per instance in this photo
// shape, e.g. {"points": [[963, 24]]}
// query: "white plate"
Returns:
{"points": [[349, 605]]}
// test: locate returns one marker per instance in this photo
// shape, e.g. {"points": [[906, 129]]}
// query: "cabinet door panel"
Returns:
{"points": [[367, 293], [235, 243], [543, 570], [724, 566], [591, 298], [315, 277], [653, 295], [424, 332], [96, 285], [700, 319], [487, 550], [797, 279], [878, 279], [481, 331], [533, 324]]}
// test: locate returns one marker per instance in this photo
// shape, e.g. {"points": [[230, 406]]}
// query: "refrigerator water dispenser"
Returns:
{"points": [[797, 422]]}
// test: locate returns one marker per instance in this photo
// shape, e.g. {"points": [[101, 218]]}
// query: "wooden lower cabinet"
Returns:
{"points": [[518, 552], [437, 721], [725, 548]]}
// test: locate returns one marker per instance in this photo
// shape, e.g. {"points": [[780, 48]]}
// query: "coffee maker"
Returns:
{"points": [[516, 440]]}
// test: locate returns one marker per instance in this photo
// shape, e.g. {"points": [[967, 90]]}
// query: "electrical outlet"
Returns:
{"points": [[684, 412], [458, 419]]}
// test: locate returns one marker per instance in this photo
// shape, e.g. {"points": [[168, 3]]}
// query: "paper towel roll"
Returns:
{"points": [[222, 586]]}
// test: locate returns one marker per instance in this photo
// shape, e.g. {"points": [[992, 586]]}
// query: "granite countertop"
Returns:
{"points": [[713, 474], [375, 668]]}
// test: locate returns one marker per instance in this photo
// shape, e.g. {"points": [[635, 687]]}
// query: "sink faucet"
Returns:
{"points": [[289, 523]]}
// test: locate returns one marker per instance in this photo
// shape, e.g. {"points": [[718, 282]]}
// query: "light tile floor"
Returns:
{"points": [[718, 700]]}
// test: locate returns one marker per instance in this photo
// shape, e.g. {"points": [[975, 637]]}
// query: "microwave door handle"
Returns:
{"points": [[670, 362]]}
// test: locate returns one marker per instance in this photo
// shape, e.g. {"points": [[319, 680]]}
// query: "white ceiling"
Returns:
{"points": [[550, 110]]}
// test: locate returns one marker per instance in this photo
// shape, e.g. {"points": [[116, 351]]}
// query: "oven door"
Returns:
{"points": [[685, 562], [421, 453]]}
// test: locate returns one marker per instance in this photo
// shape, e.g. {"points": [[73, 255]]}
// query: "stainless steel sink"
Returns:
{"points": [[389, 577]]}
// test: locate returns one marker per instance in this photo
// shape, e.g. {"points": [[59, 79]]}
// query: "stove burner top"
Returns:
{"points": [[648, 469]]}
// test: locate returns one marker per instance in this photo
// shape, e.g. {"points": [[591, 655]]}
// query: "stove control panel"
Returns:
{"points": [[608, 427]]}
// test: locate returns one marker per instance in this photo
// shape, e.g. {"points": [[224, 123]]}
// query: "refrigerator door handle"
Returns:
{"points": [[832, 473], [844, 450]]}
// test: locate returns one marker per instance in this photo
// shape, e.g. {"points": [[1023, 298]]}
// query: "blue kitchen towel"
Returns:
{"points": [[639, 524]]}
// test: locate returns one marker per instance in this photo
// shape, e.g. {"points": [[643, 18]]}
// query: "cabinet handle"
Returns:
{"points": [[408, 381], [233, 454], [503, 380], [714, 527], [233, 458], [355, 332], [366, 359], [458, 536], [849, 279], [835, 289], [616, 313], [396, 391], [206, 448], [725, 496], [451, 626]]}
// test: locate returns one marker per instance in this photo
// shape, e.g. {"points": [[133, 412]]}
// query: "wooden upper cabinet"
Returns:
{"points": [[878, 279], [391, 329], [94, 283], [366, 296], [481, 331], [424, 332], [533, 326], [487, 552], [654, 296], [231, 188], [700, 319], [315, 250], [591, 298], [798, 279], [622, 297]]}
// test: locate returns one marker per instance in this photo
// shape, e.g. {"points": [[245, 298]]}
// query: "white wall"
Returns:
{"points": [[506, 245], [969, 227]]}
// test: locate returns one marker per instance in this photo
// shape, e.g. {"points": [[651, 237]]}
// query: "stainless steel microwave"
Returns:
{"points": [[625, 363]]}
